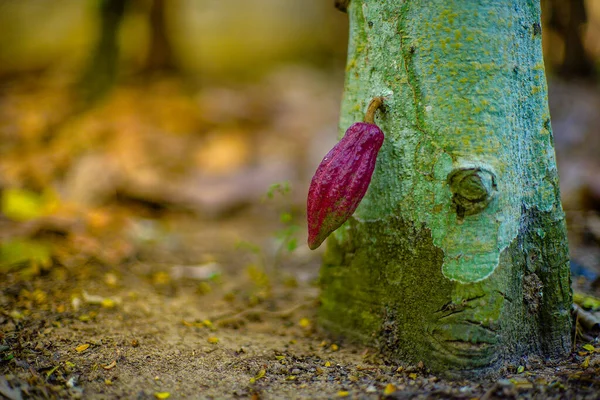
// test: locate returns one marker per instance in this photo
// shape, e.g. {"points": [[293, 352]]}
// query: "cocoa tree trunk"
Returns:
{"points": [[457, 256]]}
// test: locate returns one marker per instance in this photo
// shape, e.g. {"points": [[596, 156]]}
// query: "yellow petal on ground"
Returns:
{"points": [[327, 364], [108, 303], [162, 395], [586, 362], [389, 389], [213, 340], [82, 347], [589, 347], [343, 393], [55, 368], [304, 323], [111, 365], [261, 374]]}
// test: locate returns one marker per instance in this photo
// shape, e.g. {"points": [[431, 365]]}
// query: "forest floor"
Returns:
{"points": [[118, 279]]}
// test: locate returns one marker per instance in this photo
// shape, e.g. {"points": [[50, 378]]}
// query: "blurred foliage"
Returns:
{"points": [[23, 205], [231, 39], [211, 39], [24, 252], [78, 173]]}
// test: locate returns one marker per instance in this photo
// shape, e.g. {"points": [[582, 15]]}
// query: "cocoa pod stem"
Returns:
{"points": [[374, 105]]}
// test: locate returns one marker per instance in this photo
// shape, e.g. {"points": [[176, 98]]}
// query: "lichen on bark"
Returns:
{"points": [[457, 255]]}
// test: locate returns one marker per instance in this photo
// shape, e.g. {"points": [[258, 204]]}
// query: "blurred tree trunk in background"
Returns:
{"points": [[568, 18], [457, 256], [101, 71], [103, 67], [160, 53]]}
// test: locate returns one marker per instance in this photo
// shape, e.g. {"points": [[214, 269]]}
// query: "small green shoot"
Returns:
{"points": [[282, 188], [267, 263]]}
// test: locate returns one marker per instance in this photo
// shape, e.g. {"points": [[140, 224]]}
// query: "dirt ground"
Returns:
{"points": [[158, 330], [166, 282]]}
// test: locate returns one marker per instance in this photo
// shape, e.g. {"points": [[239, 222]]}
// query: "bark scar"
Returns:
{"points": [[472, 190]]}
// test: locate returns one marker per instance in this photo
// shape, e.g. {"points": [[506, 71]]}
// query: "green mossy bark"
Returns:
{"points": [[457, 255]]}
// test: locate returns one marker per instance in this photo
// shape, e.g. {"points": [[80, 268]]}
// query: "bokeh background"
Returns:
{"points": [[155, 157], [186, 132]]}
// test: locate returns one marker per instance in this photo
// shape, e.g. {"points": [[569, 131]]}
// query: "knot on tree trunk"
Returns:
{"points": [[472, 190]]}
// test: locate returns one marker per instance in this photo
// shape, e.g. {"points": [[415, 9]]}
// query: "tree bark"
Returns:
{"points": [[457, 256]]}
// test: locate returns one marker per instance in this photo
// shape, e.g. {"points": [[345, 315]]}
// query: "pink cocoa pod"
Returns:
{"points": [[341, 181]]}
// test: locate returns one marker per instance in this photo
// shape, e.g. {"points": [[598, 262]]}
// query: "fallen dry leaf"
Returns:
{"points": [[111, 365], [83, 347]]}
